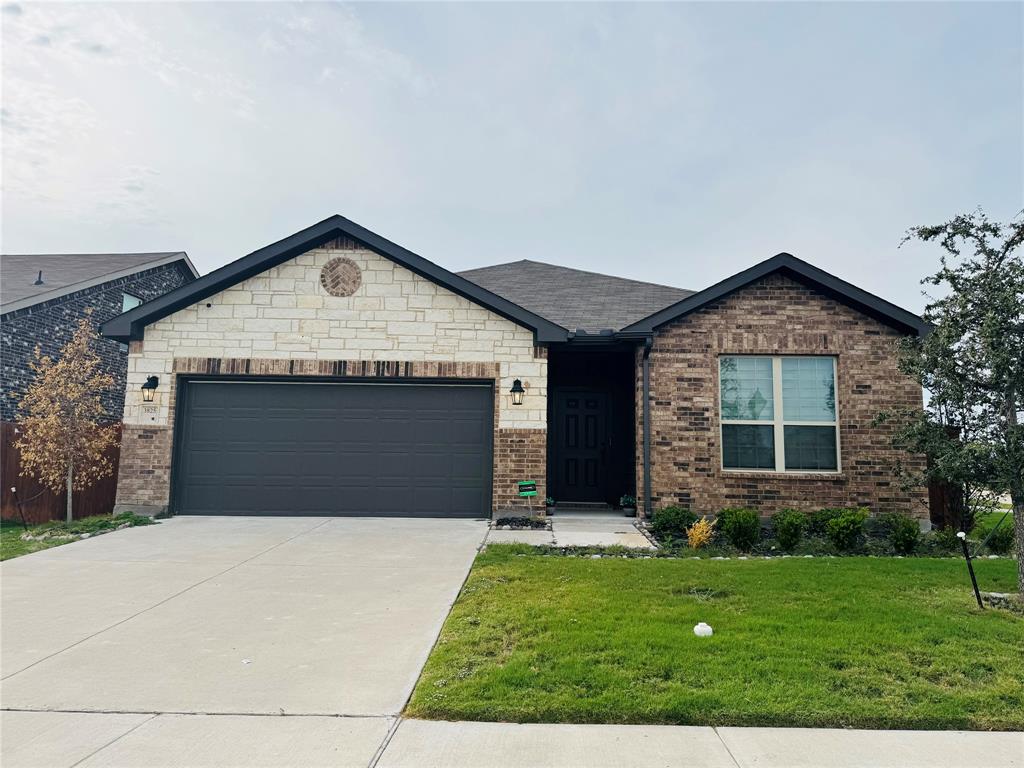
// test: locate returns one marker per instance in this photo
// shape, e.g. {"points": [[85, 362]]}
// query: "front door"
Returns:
{"points": [[581, 445]]}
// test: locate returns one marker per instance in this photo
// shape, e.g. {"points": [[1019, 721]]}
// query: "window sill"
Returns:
{"points": [[764, 474]]}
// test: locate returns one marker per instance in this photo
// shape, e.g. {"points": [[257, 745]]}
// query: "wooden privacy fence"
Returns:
{"points": [[96, 500]]}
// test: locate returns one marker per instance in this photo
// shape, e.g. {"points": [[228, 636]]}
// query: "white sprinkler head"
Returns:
{"points": [[961, 535], [703, 630]]}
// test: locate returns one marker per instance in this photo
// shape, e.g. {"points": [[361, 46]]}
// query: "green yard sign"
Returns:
{"points": [[527, 487]]}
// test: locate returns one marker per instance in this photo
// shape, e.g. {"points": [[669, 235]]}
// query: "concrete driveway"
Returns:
{"points": [[331, 619]]}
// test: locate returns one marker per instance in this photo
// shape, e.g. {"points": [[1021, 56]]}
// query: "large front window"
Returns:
{"points": [[779, 413]]}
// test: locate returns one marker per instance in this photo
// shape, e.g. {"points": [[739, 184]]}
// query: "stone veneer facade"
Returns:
{"points": [[283, 322], [775, 316]]}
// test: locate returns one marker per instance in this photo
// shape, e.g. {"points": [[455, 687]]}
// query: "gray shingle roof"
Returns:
{"points": [[67, 272], [573, 298]]}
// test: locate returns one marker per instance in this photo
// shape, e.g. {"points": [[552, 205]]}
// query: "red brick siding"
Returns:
{"points": [[144, 473], [519, 454], [775, 316]]}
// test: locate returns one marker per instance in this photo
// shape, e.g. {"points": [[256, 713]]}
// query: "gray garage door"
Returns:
{"points": [[248, 448]]}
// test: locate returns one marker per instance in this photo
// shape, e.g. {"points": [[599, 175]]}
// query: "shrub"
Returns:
{"points": [[627, 501], [1003, 540], [945, 540], [845, 529], [817, 522], [789, 527], [741, 527], [903, 532], [671, 522], [700, 533]]}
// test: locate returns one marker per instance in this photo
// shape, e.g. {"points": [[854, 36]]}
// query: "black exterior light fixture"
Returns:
{"points": [[517, 392], [149, 389]]}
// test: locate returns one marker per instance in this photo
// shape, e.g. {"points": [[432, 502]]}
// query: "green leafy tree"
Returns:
{"points": [[972, 363]]}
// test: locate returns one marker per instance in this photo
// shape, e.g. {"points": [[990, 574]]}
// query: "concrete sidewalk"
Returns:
{"points": [[95, 740]]}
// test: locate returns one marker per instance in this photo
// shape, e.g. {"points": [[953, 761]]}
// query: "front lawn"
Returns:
{"points": [[12, 545], [57, 532], [824, 642]]}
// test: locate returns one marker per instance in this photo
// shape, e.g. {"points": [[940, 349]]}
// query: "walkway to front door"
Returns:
{"points": [[578, 529]]}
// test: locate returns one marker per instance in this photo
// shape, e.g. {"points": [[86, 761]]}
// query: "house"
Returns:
{"points": [[43, 297], [337, 373]]}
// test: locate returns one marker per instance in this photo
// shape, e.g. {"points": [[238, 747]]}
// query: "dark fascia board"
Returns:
{"points": [[800, 270], [130, 325]]}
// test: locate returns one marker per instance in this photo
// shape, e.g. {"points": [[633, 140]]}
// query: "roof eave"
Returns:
{"points": [[92, 282], [786, 263], [131, 325]]}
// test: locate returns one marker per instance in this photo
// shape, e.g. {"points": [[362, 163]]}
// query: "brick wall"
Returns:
{"points": [[395, 323], [50, 325], [144, 474], [519, 454], [772, 317]]}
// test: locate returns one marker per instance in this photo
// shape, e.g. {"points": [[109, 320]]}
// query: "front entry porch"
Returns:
{"points": [[591, 424]]}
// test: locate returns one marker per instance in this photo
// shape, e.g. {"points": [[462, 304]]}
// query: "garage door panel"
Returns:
{"points": [[334, 449]]}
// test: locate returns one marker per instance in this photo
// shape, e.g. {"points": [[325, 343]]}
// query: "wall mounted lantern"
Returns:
{"points": [[149, 389], [517, 392]]}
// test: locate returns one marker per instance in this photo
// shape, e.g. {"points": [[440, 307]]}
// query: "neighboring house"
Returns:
{"points": [[43, 296], [336, 373]]}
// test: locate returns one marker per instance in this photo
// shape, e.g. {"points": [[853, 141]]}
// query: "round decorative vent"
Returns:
{"points": [[341, 277]]}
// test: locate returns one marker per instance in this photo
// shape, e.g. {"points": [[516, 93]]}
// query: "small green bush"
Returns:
{"points": [[741, 527], [670, 523], [903, 532], [789, 527], [817, 522], [1002, 540], [846, 529], [945, 540]]}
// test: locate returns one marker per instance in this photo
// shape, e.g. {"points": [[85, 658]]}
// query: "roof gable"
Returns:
{"points": [[801, 271], [130, 325], [575, 299]]}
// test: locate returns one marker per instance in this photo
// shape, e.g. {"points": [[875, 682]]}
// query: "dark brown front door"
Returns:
{"points": [[581, 445]]}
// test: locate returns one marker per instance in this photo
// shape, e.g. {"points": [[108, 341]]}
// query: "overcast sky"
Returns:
{"points": [[677, 143]]}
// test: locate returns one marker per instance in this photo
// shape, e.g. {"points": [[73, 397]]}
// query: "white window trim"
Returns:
{"points": [[779, 422]]}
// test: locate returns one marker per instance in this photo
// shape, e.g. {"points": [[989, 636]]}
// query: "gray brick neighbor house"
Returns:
{"points": [[337, 373], [43, 296]]}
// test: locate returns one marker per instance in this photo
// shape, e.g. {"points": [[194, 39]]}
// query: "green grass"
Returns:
{"points": [[12, 545], [986, 521], [828, 642]]}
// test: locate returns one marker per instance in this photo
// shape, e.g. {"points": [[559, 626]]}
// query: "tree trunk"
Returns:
{"points": [[70, 470], [1018, 528]]}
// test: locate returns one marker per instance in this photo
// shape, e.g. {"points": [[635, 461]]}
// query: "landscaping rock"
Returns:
{"points": [[1007, 601]]}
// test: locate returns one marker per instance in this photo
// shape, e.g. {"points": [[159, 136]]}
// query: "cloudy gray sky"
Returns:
{"points": [[676, 143]]}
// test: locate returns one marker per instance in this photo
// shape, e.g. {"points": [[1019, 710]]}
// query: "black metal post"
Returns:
{"points": [[21, 513], [970, 568]]}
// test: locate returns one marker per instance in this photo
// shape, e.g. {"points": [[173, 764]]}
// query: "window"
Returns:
{"points": [[779, 413]]}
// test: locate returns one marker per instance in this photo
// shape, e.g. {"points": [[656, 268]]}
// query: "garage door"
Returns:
{"points": [[403, 450]]}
